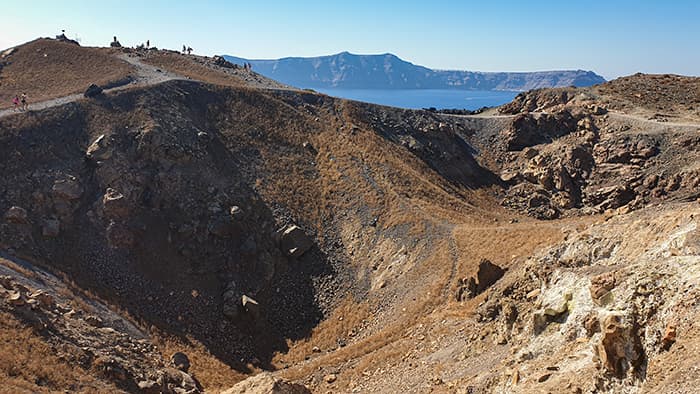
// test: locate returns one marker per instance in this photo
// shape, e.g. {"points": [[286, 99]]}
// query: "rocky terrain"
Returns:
{"points": [[201, 228], [387, 71]]}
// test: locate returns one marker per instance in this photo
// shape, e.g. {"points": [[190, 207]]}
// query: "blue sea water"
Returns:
{"points": [[426, 98]]}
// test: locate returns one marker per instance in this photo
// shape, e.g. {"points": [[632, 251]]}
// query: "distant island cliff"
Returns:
{"points": [[349, 71]]}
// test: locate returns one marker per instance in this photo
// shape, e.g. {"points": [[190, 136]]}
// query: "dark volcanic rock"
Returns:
{"points": [[93, 91]]}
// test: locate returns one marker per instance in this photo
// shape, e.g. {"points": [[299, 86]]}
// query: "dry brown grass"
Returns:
{"points": [[28, 364], [187, 66], [46, 69], [666, 94], [348, 315]]}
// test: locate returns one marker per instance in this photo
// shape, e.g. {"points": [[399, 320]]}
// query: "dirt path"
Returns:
{"points": [[146, 75], [643, 119]]}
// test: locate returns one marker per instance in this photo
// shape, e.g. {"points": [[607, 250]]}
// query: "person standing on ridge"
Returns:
{"points": [[23, 98], [148, 44]]}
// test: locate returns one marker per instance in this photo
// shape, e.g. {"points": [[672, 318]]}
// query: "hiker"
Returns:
{"points": [[148, 44], [23, 99], [15, 102], [184, 49], [189, 50]]}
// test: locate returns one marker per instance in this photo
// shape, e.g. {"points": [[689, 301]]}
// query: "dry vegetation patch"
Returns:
{"points": [[46, 69], [28, 364]]}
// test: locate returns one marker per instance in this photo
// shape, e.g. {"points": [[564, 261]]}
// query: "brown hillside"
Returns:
{"points": [[45, 69], [421, 263]]}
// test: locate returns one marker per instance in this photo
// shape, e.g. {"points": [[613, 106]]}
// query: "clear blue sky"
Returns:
{"points": [[611, 37]]}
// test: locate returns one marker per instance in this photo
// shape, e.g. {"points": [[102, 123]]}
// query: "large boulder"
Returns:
{"points": [[250, 306], [620, 349], [99, 149], [114, 204], [266, 383], [92, 91], [293, 241], [172, 380], [180, 361], [487, 275]]}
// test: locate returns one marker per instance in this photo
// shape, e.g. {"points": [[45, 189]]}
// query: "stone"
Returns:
{"points": [[466, 289], [554, 306], [620, 349], [46, 300], [487, 275], [92, 91], [544, 378], [529, 153], [17, 215], [511, 177], [149, 387], [533, 294], [67, 189], [266, 383], [16, 299], [650, 181], [293, 241], [222, 62], [250, 306], [236, 212], [114, 204], [330, 378], [51, 228], [669, 337], [94, 321], [6, 282], [180, 381], [515, 378], [591, 324], [99, 150], [598, 110], [601, 285], [180, 361]]}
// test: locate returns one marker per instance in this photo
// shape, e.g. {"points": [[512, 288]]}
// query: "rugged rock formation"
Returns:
{"points": [[162, 203]]}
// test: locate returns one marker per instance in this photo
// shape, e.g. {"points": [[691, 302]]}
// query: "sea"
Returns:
{"points": [[426, 98]]}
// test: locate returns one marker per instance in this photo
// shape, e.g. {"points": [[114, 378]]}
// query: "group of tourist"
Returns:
{"points": [[20, 103]]}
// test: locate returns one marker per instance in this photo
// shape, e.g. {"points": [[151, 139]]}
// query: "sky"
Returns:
{"points": [[612, 38]]}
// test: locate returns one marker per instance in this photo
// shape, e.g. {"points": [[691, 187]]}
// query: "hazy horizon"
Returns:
{"points": [[610, 39]]}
